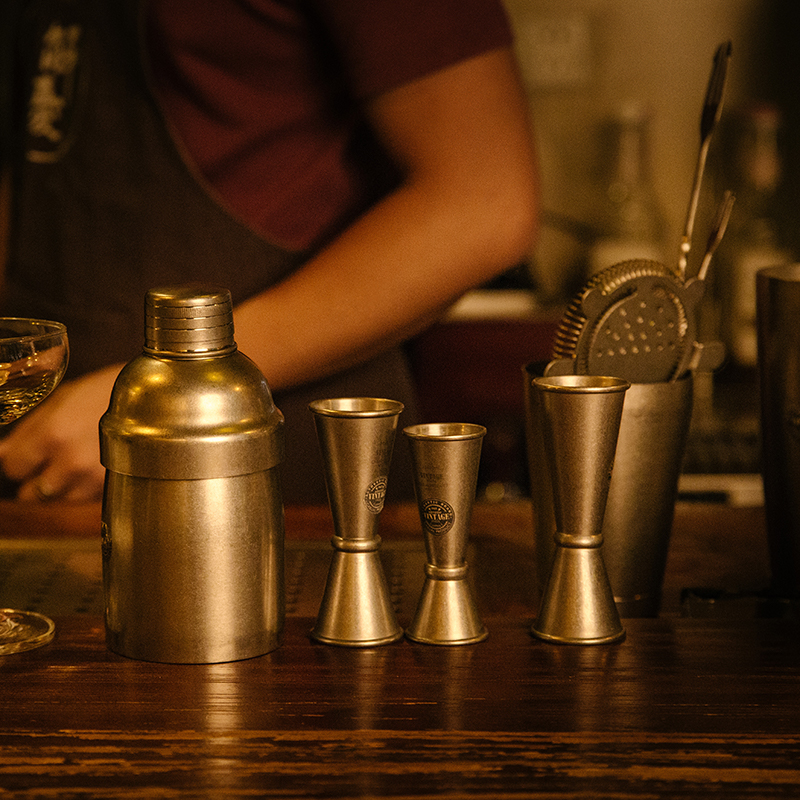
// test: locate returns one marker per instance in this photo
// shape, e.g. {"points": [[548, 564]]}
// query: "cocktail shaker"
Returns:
{"points": [[192, 518]]}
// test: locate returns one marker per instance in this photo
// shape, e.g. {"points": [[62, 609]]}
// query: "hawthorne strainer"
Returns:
{"points": [[634, 320]]}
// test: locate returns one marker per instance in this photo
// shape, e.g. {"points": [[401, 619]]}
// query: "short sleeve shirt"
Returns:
{"points": [[265, 96]]}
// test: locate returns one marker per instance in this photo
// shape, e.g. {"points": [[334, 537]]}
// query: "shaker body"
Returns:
{"points": [[193, 569]]}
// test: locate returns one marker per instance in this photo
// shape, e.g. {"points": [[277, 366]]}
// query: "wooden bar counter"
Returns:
{"points": [[683, 708]]}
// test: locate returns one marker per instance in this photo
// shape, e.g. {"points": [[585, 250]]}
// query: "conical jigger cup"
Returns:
{"points": [[580, 422], [356, 438], [445, 459]]}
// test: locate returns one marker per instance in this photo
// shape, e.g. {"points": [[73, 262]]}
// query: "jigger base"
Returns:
{"points": [[578, 606], [446, 615], [617, 637], [317, 637], [356, 610]]}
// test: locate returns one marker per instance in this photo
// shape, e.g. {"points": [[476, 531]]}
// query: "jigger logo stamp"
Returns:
{"points": [[438, 516], [375, 495]]}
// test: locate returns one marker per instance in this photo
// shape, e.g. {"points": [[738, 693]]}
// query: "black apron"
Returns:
{"points": [[104, 208]]}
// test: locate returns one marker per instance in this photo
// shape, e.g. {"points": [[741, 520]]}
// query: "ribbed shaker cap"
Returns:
{"points": [[190, 320]]}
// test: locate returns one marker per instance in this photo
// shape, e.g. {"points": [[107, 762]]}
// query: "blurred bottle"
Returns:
{"points": [[751, 165], [629, 218]]}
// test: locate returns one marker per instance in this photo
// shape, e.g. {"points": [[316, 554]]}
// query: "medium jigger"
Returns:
{"points": [[445, 460], [356, 437], [580, 422]]}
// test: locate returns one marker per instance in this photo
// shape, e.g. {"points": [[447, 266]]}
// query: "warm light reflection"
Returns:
{"points": [[222, 704]]}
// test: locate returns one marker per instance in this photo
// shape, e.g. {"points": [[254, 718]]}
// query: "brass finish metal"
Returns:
{"points": [[580, 416], [445, 458], [356, 437], [192, 518]]}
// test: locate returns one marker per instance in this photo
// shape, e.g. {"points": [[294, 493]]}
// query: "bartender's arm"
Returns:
{"points": [[464, 212]]}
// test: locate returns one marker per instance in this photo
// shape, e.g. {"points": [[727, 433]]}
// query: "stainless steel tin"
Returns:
{"points": [[192, 519]]}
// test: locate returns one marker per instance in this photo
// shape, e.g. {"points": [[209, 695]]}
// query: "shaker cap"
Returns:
{"points": [[191, 406], [189, 320]]}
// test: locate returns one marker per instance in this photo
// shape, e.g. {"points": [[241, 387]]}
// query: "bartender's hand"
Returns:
{"points": [[53, 452]]}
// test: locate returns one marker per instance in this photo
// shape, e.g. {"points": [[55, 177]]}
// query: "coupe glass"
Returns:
{"points": [[33, 359]]}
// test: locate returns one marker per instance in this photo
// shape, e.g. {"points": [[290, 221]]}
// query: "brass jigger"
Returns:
{"points": [[580, 421], [356, 437], [445, 460]]}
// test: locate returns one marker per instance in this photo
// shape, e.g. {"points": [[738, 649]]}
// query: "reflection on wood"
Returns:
{"points": [[682, 708]]}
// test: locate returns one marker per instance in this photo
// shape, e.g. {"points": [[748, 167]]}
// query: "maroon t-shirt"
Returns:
{"points": [[265, 95]]}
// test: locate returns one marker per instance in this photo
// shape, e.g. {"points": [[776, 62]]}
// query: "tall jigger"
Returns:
{"points": [[580, 422], [445, 459], [356, 438]]}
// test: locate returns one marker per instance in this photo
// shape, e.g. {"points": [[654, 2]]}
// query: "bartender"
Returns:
{"points": [[347, 168]]}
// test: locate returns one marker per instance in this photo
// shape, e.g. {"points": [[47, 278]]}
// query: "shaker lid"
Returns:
{"points": [[190, 413], [189, 320]]}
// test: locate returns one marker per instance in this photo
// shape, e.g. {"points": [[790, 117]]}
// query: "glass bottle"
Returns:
{"points": [[630, 222]]}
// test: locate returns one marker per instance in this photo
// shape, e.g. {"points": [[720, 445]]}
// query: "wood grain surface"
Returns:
{"points": [[683, 708]]}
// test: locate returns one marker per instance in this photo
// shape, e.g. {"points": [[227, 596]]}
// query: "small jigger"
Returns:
{"points": [[580, 422], [445, 459], [356, 437]]}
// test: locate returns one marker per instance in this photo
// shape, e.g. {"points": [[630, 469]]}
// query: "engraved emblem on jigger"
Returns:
{"points": [[438, 516], [375, 495]]}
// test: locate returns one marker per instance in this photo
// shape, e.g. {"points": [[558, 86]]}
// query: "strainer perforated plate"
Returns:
{"points": [[634, 320]]}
